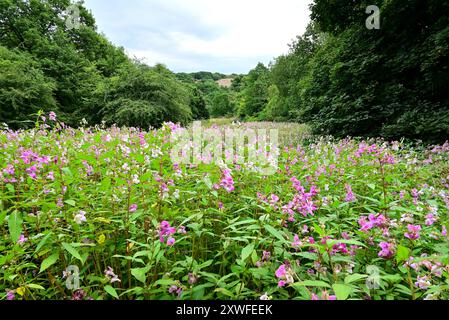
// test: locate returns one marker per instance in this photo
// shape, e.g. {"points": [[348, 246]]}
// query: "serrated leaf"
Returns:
{"points": [[246, 252], [72, 251], [48, 262], [274, 232]]}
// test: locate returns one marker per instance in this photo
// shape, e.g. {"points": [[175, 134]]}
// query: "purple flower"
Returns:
{"points": [[133, 208], [281, 272], [430, 219], [22, 239], [192, 278], [80, 217], [165, 230], [170, 241], [52, 116], [109, 272], [350, 197], [413, 232], [423, 282], [387, 251], [10, 295]]}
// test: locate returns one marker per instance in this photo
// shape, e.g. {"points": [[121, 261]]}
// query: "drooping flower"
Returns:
{"points": [[350, 197], [413, 232], [109, 272], [265, 297], [22, 239], [388, 250], [431, 219], [284, 274], [193, 278], [423, 282], [165, 231], [10, 295], [52, 116], [80, 217], [170, 241], [296, 241]]}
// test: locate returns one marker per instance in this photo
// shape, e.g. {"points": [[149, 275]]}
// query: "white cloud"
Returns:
{"points": [[192, 35]]}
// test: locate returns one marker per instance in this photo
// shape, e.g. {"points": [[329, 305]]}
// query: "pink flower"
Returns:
{"points": [[387, 251], [430, 219], [165, 230], [133, 208], [413, 232], [350, 197], [10, 295], [170, 241], [281, 272], [109, 272], [52, 116], [22, 239], [444, 231], [80, 217], [296, 242]]}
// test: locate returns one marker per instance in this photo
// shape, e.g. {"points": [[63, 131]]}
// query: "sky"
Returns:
{"points": [[226, 36]]}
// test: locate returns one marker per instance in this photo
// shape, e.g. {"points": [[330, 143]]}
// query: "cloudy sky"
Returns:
{"points": [[228, 36]]}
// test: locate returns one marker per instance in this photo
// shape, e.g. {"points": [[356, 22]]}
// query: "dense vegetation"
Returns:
{"points": [[338, 220], [45, 64], [344, 79]]}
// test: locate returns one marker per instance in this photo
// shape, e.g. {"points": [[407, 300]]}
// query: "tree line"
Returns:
{"points": [[340, 77], [46, 64], [347, 80]]}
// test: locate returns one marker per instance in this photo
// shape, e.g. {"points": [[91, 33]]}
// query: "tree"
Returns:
{"points": [[24, 89]]}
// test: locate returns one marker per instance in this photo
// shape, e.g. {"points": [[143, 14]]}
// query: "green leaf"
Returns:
{"points": [[71, 202], [355, 277], [72, 251], [48, 262], [42, 243], [35, 286], [246, 252], [15, 226], [402, 253], [274, 232], [140, 274], [111, 291], [342, 291], [312, 283]]}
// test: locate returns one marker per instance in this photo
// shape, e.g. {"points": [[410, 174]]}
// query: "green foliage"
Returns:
{"points": [[44, 65], [254, 95], [227, 244], [24, 89]]}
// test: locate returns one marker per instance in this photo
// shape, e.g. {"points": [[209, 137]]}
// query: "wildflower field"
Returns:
{"points": [[104, 213]]}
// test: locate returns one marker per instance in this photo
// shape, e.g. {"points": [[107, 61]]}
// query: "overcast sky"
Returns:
{"points": [[227, 36]]}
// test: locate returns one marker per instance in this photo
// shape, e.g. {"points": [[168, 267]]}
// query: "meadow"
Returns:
{"points": [[104, 213]]}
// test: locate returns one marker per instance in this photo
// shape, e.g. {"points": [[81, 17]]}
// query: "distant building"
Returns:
{"points": [[226, 83]]}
